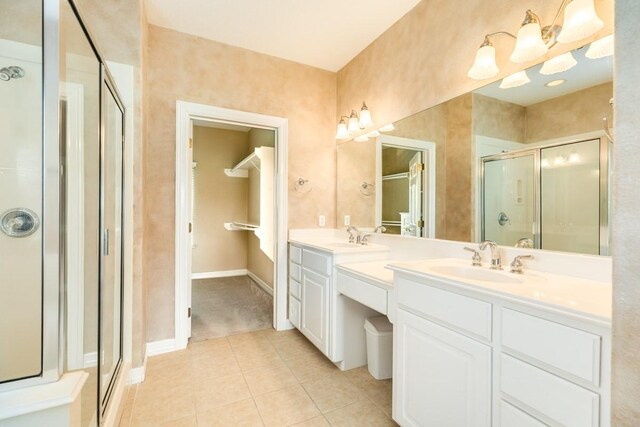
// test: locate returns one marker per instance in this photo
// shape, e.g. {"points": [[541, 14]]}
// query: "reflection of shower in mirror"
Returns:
{"points": [[11, 72]]}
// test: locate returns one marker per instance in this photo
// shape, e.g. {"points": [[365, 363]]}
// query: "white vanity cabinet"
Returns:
{"points": [[467, 358], [316, 308]]}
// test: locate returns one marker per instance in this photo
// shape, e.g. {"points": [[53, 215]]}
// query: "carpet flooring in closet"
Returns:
{"points": [[227, 306]]}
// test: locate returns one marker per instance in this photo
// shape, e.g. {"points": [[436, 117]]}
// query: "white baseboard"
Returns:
{"points": [[91, 359], [160, 347], [136, 375], [260, 283], [216, 274]]}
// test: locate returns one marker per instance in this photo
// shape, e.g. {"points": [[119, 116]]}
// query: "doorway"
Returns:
{"points": [[270, 231], [232, 212]]}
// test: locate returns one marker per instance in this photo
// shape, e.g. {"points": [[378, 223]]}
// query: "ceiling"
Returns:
{"points": [[587, 73], [322, 33]]}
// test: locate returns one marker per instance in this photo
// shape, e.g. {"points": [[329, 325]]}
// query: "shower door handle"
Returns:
{"points": [[105, 242]]}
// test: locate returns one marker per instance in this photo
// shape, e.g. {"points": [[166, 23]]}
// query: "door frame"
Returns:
{"points": [[186, 113], [429, 184]]}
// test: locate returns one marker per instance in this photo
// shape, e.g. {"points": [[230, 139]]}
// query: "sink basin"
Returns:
{"points": [[474, 273]]}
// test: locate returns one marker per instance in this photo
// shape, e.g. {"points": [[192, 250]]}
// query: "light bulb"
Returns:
{"points": [[580, 21], [354, 125], [529, 43], [600, 48], [365, 117], [514, 80], [484, 67], [559, 64], [342, 132]]}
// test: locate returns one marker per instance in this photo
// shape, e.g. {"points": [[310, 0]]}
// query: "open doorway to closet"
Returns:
{"points": [[232, 217], [231, 222]]}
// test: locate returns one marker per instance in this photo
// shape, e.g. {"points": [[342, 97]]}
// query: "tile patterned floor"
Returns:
{"points": [[263, 378]]}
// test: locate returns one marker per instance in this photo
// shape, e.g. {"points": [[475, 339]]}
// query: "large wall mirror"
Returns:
{"points": [[524, 161]]}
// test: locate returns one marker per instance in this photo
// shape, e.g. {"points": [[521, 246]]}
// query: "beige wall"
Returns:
{"points": [[187, 68], [498, 119], [626, 226], [218, 199], [257, 262], [571, 114], [356, 163]]}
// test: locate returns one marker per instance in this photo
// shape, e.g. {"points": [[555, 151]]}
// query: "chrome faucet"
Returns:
{"points": [[516, 265], [496, 262], [354, 234], [476, 260], [364, 239], [525, 242], [380, 228]]}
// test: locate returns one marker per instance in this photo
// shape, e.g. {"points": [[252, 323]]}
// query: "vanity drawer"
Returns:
{"points": [[316, 261], [295, 288], [295, 271], [570, 350], [510, 416], [363, 292], [451, 309], [294, 312], [295, 254], [559, 400]]}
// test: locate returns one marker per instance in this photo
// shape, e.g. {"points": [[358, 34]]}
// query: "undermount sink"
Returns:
{"points": [[343, 245], [474, 273]]}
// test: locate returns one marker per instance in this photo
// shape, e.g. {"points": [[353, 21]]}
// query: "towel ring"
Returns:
{"points": [[367, 189], [302, 185]]}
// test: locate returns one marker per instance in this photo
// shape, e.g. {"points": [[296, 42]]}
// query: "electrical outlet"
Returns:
{"points": [[321, 221], [347, 220]]}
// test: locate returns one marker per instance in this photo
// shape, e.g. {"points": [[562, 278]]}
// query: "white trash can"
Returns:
{"points": [[379, 347]]}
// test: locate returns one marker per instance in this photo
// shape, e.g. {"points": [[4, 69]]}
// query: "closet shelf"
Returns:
{"points": [[396, 176], [241, 170], [240, 226]]}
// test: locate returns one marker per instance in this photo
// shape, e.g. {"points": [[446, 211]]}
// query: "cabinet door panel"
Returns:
{"points": [[441, 377], [314, 319]]}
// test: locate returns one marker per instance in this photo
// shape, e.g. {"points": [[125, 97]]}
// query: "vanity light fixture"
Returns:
{"points": [[354, 123], [534, 40], [600, 48], [361, 138], [387, 128], [580, 21], [514, 80], [558, 64], [373, 134], [529, 42], [554, 83]]}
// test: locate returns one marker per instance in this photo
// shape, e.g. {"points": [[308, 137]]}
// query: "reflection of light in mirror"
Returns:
{"points": [[373, 134], [544, 163], [559, 160], [600, 48], [554, 83], [514, 80], [361, 138], [387, 128], [574, 158], [559, 64]]}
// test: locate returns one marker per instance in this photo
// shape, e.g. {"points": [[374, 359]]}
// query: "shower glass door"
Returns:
{"points": [[570, 197], [111, 241], [21, 196], [508, 198]]}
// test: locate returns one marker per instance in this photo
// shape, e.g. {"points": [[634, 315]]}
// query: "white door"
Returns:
{"points": [[441, 377], [314, 316], [416, 167]]}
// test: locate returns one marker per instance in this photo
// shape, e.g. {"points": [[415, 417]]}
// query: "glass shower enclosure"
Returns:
{"points": [[554, 197], [61, 210]]}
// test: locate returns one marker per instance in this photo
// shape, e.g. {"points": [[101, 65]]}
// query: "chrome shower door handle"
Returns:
{"points": [[105, 242]]}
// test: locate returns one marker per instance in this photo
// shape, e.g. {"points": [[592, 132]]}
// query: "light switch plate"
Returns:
{"points": [[347, 220], [321, 221]]}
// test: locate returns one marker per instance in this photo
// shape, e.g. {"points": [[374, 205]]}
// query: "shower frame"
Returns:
{"points": [[53, 333], [604, 177]]}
